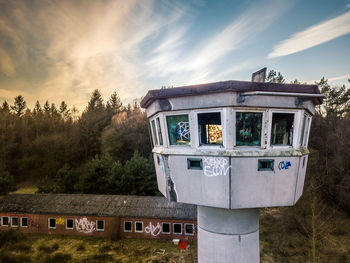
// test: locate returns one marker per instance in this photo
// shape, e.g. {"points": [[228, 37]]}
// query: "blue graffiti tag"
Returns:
{"points": [[284, 165]]}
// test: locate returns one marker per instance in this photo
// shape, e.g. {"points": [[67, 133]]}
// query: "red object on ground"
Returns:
{"points": [[183, 245]]}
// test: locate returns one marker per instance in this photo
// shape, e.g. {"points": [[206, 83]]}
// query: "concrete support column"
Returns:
{"points": [[226, 235]]}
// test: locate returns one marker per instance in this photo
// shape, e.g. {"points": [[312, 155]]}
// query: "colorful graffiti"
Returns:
{"points": [[284, 165]]}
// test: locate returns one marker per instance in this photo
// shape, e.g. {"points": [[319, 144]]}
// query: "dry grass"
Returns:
{"points": [[26, 188], [46, 248]]}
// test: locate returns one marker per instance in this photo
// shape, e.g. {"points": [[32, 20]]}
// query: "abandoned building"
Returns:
{"points": [[99, 215]]}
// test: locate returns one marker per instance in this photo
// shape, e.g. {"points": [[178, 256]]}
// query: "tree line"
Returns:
{"points": [[106, 150]]}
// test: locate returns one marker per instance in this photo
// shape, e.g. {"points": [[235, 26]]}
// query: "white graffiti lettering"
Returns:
{"points": [[184, 130], [153, 230], [84, 225], [215, 166]]}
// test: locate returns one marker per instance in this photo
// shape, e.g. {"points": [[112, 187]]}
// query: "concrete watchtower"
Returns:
{"points": [[231, 147]]}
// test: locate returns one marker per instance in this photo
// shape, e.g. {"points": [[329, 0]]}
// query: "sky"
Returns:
{"points": [[63, 50]]}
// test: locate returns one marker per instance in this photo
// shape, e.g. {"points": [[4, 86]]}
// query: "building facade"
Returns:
{"points": [[98, 215]]}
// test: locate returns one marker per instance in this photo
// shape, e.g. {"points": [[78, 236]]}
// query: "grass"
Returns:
{"points": [[26, 188], [54, 248]]}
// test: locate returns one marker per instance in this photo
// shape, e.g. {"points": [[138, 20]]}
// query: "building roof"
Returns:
{"points": [[227, 86], [97, 205]]}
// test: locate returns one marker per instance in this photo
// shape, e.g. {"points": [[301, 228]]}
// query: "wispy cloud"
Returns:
{"points": [[313, 36], [204, 60]]}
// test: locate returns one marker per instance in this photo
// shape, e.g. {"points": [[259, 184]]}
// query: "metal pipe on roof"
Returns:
{"points": [[288, 94]]}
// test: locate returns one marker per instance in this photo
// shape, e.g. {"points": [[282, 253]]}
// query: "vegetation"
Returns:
{"points": [[105, 150], [47, 248]]}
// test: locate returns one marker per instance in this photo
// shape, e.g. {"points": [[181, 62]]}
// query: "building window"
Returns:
{"points": [[14, 221], [282, 129], [178, 130], [248, 128], [139, 227], [100, 225], [177, 228], [69, 223], [266, 165], [189, 229], [127, 226], [194, 164], [209, 128], [52, 223], [304, 131], [166, 228], [24, 221], [154, 132], [5, 221], [159, 130]]}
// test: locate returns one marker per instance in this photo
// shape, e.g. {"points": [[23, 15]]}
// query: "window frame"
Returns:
{"points": [[2, 221], [50, 227], [222, 112], [167, 233], [177, 233], [129, 231], [162, 128], [138, 231], [67, 223], [12, 225], [100, 229], [21, 222], [190, 122], [305, 130], [189, 234], [295, 128], [263, 131]]}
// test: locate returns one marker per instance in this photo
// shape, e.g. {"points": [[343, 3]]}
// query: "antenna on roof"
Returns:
{"points": [[259, 76]]}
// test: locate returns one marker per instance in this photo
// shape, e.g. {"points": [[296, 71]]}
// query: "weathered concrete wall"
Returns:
{"points": [[232, 182], [226, 235], [229, 99]]}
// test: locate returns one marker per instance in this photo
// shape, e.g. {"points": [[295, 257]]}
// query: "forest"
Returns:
{"points": [[107, 150]]}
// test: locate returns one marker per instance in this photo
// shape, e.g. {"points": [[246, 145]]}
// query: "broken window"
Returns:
{"points": [[100, 225], [166, 228], [127, 226], [138, 226], [52, 222], [304, 131], [177, 228], [210, 129], [24, 221], [14, 221], [248, 128], [69, 224], [5, 221], [160, 138], [154, 132], [178, 129], [282, 129], [189, 229]]}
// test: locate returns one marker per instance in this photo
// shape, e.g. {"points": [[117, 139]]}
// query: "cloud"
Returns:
{"points": [[313, 36], [204, 60], [63, 50]]}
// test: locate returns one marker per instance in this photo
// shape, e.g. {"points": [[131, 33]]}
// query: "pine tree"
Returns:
{"points": [[5, 108], [114, 104], [37, 108], [19, 105]]}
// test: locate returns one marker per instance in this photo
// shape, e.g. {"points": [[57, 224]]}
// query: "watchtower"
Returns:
{"points": [[231, 147]]}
